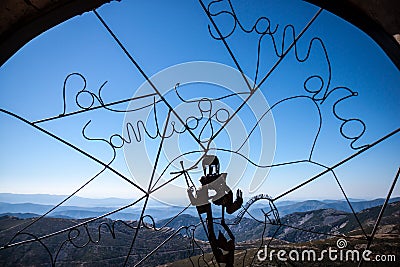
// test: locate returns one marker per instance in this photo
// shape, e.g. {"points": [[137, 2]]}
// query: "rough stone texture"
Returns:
{"points": [[16, 13], [397, 37], [22, 20], [385, 12]]}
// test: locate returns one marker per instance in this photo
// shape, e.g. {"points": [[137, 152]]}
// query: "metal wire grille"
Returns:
{"points": [[137, 132]]}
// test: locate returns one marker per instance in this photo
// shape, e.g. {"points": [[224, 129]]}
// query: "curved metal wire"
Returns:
{"points": [[207, 120]]}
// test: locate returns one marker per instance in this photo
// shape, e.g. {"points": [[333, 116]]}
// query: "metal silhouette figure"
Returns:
{"points": [[222, 248]]}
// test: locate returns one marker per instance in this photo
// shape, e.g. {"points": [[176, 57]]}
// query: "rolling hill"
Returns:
{"points": [[107, 241], [304, 226], [100, 243]]}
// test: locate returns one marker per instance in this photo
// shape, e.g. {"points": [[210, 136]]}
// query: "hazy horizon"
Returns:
{"points": [[341, 84], [156, 201]]}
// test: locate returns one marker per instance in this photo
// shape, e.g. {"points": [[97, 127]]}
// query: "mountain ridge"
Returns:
{"points": [[163, 212], [110, 239], [303, 226]]}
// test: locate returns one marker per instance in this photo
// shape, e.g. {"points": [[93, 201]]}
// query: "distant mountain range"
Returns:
{"points": [[303, 226], [76, 212], [78, 208], [101, 243], [46, 199], [110, 240], [340, 205], [299, 232]]}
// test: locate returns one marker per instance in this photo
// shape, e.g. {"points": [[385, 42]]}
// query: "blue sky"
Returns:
{"points": [[160, 35]]}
